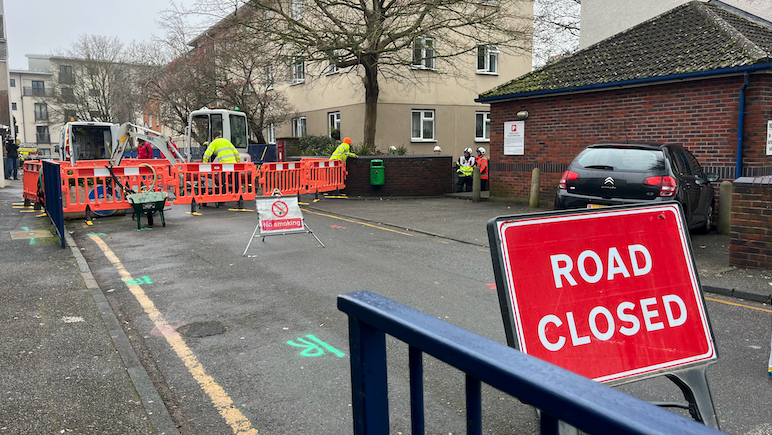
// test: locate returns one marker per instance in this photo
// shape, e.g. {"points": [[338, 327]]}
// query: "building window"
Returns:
{"points": [[41, 134], [487, 59], [93, 92], [271, 133], [299, 126], [65, 74], [269, 77], [69, 115], [67, 95], [41, 112], [38, 88], [333, 125], [482, 126], [95, 115], [296, 72], [296, 9], [423, 53], [422, 125], [13, 106], [13, 83]]}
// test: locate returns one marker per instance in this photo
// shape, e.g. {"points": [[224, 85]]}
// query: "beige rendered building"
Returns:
{"points": [[32, 119]]}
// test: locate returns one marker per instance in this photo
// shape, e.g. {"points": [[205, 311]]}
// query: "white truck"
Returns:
{"points": [[102, 140]]}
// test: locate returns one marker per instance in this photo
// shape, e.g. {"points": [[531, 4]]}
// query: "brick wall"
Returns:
{"points": [[422, 175], [702, 115], [750, 240]]}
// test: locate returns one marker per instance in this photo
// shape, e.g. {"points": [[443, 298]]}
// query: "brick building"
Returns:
{"points": [[696, 75]]}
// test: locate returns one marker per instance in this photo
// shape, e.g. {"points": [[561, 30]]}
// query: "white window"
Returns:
{"points": [[299, 126], [296, 72], [422, 125], [13, 83], [271, 133], [423, 53], [13, 106], [150, 120], [487, 59], [333, 123], [296, 9], [482, 127], [269, 77], [331, 68]]}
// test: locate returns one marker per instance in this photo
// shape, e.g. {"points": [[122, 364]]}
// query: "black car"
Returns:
{"points": [[617, 174]]}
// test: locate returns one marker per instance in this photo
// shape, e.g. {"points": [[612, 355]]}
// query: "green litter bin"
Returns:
{"points": [[377, 175]]}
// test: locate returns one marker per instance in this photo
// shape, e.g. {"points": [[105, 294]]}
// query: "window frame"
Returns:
{"points": [[41, 112], [489, 52], [271, 133], [420, 59], [41, 130], [13, 106], [422, 121], [296, 9], [269, 78], [12, 83], [299, 126], [486, 126], [296, 72], [333, 118]]}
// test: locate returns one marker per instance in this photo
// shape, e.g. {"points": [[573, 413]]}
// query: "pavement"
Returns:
{"points": [[68, 365]]}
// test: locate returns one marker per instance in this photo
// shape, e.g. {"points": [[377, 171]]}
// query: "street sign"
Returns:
{"points": [[607, 293]]}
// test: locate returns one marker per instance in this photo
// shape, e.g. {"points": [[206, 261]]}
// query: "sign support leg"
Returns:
{"points": [[694, 385], [250, 239], [312, 233]]}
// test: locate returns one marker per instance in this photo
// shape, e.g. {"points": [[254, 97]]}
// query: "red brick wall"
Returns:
{"points": [[750, 240], [404, 176], [702, 115]]}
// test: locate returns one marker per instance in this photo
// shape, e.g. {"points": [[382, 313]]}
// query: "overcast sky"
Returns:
{"points": [[46, 26]]}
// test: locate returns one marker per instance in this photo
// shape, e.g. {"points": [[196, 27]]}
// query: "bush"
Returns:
{"points": [[361, 149], [317, 145]]}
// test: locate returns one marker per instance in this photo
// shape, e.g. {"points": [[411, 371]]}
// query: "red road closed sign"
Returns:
{"points": [[607, 294]]}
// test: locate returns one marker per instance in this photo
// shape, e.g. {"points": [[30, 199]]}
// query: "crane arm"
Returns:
{"points": [[158, 140]]}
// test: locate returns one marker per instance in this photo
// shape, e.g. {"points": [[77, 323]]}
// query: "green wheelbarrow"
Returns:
{"points": [[147, 203]]}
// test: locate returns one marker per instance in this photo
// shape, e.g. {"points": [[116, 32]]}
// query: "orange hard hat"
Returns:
{"points": [[347, 140]]}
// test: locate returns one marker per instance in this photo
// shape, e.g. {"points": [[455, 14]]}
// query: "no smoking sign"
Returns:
{"points": [[279, 209]]}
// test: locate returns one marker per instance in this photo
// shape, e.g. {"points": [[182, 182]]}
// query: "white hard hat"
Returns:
{"points": [[481, 150], [468, 150], [437, 148]]}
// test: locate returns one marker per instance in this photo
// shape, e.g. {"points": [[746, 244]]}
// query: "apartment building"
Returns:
{"points": [[27, 90], [418, 108]]}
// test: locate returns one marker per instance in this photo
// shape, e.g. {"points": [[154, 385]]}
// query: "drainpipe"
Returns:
{"points": [[740, 122]]}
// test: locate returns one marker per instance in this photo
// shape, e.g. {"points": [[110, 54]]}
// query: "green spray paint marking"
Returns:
{"points": [[315, 349], [31, 239], [144, 229], [139, 281], [96, 234]]}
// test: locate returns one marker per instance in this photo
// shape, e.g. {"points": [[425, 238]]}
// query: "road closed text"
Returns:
{"points": [[602, 324]]}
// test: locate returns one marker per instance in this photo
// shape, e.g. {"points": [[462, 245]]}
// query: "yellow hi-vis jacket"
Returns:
{"points": [[224, 149], [465, 166], [342, 153]]}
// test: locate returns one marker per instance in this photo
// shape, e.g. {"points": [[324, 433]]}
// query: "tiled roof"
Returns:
{"points": [[693, 37]]}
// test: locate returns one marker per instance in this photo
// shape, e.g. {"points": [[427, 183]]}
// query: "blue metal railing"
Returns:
{"points": [[52, 188], [559, 394]]}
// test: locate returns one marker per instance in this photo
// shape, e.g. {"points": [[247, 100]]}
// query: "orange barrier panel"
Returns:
{"points": [[30, 179], [96, 189], [289, 178], [213, 182], [324, 175]]}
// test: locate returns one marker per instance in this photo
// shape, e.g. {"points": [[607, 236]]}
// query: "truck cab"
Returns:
{"points": [[87, 140], [204, 123]]}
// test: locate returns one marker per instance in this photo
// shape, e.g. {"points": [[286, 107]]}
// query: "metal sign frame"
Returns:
{"points": [[277, 195], [689, 377]]}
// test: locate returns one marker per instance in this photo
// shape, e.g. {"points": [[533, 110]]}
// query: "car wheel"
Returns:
{"points": [[706, 227]]}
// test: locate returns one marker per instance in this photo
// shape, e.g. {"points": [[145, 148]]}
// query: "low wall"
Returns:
{"points": [[418, 175], [750, 240]]}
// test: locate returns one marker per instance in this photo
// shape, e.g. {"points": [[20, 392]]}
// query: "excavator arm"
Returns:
{"points": [[158, 140]]}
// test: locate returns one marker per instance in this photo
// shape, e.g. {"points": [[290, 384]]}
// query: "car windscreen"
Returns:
{"points": [[624, 159]]}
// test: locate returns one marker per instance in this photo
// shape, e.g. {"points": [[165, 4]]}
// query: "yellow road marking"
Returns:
{"points": [[738, 305], [357, 222], [220, 399]]}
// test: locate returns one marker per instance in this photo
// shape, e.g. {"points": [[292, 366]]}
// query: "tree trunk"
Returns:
{"points": [[372, 90]]}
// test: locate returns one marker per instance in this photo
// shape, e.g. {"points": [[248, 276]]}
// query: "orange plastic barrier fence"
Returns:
{"points": [[213, 182], [30, 179], [309, 175], [324, 175], [95, 188], [287, 177]]}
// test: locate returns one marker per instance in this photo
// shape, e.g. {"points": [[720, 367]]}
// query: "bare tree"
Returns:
{"points": [[390, 38], [556, 25], [94, 80]]}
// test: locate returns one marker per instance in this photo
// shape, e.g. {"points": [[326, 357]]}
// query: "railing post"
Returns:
{"points": [[368, 379]]}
